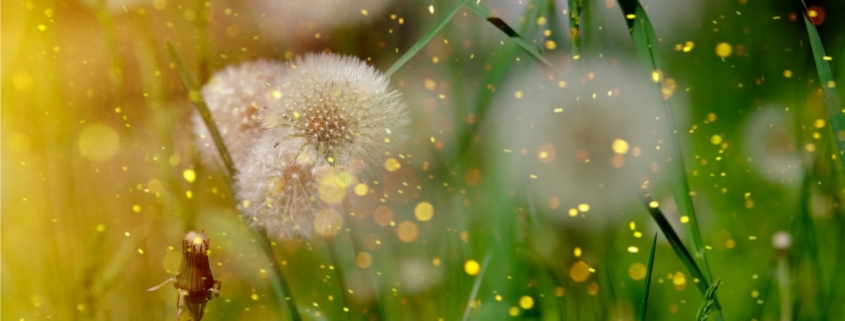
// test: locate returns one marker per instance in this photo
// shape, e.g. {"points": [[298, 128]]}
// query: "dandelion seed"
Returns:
{"points": [[234, 96], [341, 108]]}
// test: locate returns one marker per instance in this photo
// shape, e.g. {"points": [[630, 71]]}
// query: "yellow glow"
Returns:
{"points": [[424, 211], [392, 165], [724, 49], [620, 146], [526, 302], [579, 271], [471, 267], [637, 271], [98, 142], [189, 175]]}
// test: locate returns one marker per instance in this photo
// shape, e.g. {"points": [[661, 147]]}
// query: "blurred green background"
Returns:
{"points": [[101, 179]]}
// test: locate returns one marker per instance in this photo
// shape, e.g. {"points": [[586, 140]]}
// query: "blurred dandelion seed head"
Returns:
{"points": [[234, 96], [591, 142], [343, 109], [770, 145]]}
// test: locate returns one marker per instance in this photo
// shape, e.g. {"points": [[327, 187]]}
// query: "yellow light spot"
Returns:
{"points": [[630, 16], [361, 189], [684, 219], [407, 231], [277, 94], [711, 117], [577, 252], [471, 267], [573, 212], [136, 208], [101, 228], [424, 211], [541, 21], [688, 46], [559, 291], [392, 165], [435, 261], [755, 294], [716, 139], [140, 251], [80, 307], [364, 12], [633, 249], [638, 234], [42, 27], [98, 142], [551, 45], [653, 204], [593, 288], [363, 260], [518, 94], [513, 311], [526, 302], [383, 215], [831, 84], [429, 84], [584, 207], [254, 297], [332, 189], [730, 243], [637, 271], [579, 271], [724, 49], [655, 76], [431, 9], [810, 147], [328, 222], [819, 123], [498, 297], [787, 73], [679, 280], [160, 4], [189, 175], [620, 146]]}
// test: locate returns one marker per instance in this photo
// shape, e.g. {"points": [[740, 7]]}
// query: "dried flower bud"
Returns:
{"points": [[194, 282]]}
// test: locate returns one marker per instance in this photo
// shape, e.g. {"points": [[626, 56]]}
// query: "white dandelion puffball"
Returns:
{"points": [[343, 109], [277, 188], [769, 143], [234, 96], [582, 145]]}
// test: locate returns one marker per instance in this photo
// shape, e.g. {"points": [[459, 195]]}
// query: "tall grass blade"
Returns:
{"points": [[831, 97], [194, 95], [488, 15], [575, 7], [647, 289], [425, 38], [476, 286], [680, 250], [709, 298], [646, 44]]}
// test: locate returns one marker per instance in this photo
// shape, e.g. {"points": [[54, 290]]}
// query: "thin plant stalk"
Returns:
{"points": [[345, 292], [367, 281], [282, 288], [646, 44], [782, 274], [647, 286], [680, 250]]}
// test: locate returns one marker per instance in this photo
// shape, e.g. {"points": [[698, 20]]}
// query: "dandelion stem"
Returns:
{"points": [[345, 297], [282, 288], [366, 279]]}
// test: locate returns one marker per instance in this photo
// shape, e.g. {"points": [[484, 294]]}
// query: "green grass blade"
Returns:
{"points": [[488, 15], [196, 98], [476, 286], [646, 44], [831, 98], [709, 298], [680, 250], [647, 289], [575, 7], [425, 39]]}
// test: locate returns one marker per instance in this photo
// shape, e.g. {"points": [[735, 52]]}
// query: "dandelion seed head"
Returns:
{"points": [[234, 96], [280, 186], [344, 110]]}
